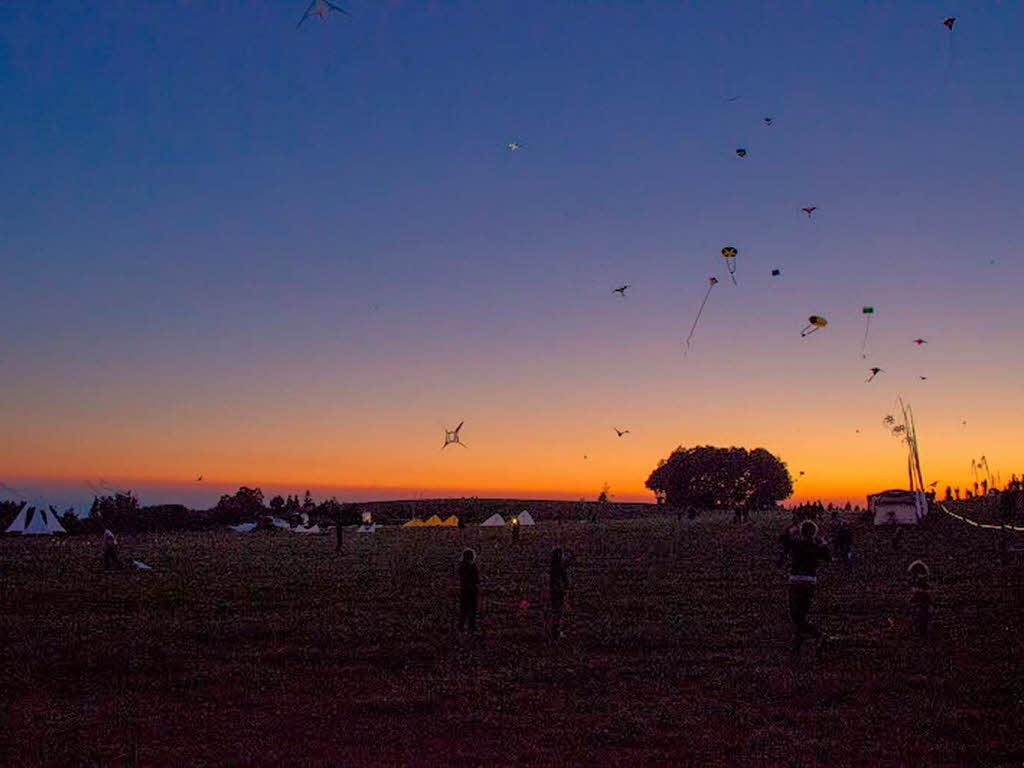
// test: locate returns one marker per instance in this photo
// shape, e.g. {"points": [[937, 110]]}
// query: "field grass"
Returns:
{"points": [[272, 649]]}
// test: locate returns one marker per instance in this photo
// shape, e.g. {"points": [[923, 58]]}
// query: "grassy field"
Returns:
{"points": [[272, 649]]}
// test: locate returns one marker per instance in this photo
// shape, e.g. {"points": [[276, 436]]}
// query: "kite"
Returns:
{"points": [[919, 342], [949, 22], [320, 8], [199, 479], [741, 152], [814, 323], [923, 378], [874, 372], [776, 272], [867, 312], [767, 121], [729, 254], [809, 210], [514, 146], [451, 436], [712, 282], [621, 290], [620, 432]]}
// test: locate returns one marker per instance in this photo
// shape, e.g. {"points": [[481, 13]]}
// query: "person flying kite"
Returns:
{"points": [[621, 290], [814, 323], [320, 8], [874, 372], [712, 282], [451, 436], [729, 254]]}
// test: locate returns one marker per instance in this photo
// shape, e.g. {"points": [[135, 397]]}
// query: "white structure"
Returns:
{"points": [[36, 522], [367, 528], [242, 527], [494, 521], [314, 529], [525, 518], [898, 507]]}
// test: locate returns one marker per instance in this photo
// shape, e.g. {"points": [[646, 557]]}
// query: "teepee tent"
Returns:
{"points": [[433, 520], [18, 526], [42, 523], [494, 520], [525, 518], [451, 522], [414, 523]]}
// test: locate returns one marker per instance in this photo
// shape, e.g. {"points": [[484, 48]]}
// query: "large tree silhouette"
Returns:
{"points": [[708, 477]]}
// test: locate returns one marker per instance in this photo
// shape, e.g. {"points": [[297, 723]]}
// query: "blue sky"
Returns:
{"points": [[212, 220]]}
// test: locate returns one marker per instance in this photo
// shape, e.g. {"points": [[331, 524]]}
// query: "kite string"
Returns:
{"points": [[864, 343], [696, 320]]}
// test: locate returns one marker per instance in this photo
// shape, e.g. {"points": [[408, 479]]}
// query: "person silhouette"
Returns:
{"points": [[806, 551]]}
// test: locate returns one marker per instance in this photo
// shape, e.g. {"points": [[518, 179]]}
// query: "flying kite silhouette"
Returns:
{"points": [[514, 146], [767, 121], [620, 432], [949, 22], [814, 323], [199, 479], [741, 152], [874, 372], [621, 290], [919, 342], [451, 436], [320, 8], [809, 210]]}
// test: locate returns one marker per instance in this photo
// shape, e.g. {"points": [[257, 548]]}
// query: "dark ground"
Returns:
{"points": [[271, 649]]}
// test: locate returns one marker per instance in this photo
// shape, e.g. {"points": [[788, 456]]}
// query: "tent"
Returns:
{"points": [[41, 523], [494, 520], [414, 523], [242, 527], [141, 565], [898, 507], [279, 523], [433, 520], [314, 529], [367, 528], [451, 522], [525, 518]]}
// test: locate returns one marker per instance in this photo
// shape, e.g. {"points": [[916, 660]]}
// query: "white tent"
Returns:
{"points": [[242, 527], [525, 518], [41, 523], [493, 521], [279, 523], [18, 526], [898, 507], [314, 529], [367, 528]]}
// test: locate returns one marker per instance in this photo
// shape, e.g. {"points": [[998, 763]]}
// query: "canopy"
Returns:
{"points": [[433, 520], [494, 520], [451, 522], [525, 518], [414, 523]]}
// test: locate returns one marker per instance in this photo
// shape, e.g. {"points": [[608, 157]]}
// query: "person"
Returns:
{"points": [[110, 558], [806, 551], [842, 535], [469, 590], [920, 598], [559, 584]]}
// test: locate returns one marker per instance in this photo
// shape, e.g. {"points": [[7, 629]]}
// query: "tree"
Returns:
{"points": [[246, 504], [708, 477], [277, 506]]}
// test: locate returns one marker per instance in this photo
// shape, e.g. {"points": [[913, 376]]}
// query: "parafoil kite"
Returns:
{"points": [[320, 8], [814, 323], [809, 210], [919, 342], [741, 152], [949, 22], [776, 272], [712, 282], [874, 372], [867, 311], [729, 254], [767, 121]]}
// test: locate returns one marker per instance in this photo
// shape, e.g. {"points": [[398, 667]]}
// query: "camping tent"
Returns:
{"points": [[433, 520], [898, 507], [242, 527], [314, 529], [494, 520], [367, 528], [414, 523], [451, 522], [41, 523], [525, 518]]}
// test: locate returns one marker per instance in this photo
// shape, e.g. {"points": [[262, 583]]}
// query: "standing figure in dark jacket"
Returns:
{"points": [[469, 590], [920, 598], [559, 576], [806, 551]]}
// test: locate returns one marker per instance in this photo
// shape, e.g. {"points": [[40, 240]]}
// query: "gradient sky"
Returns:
{"points": [[287, 257]]}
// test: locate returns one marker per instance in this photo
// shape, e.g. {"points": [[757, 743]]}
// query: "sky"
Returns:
{"points": [[290, 257]]}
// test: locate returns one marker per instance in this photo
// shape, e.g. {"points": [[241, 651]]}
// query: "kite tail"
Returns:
{"points": [[864, 343], [697, 319]]}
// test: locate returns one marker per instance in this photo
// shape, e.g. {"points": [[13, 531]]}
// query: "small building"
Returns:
{"points": [[897, 507]]}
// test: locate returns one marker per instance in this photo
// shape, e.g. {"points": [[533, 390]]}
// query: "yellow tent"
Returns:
{"points": [[433, 520], [414, 523], [451, 522]]}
